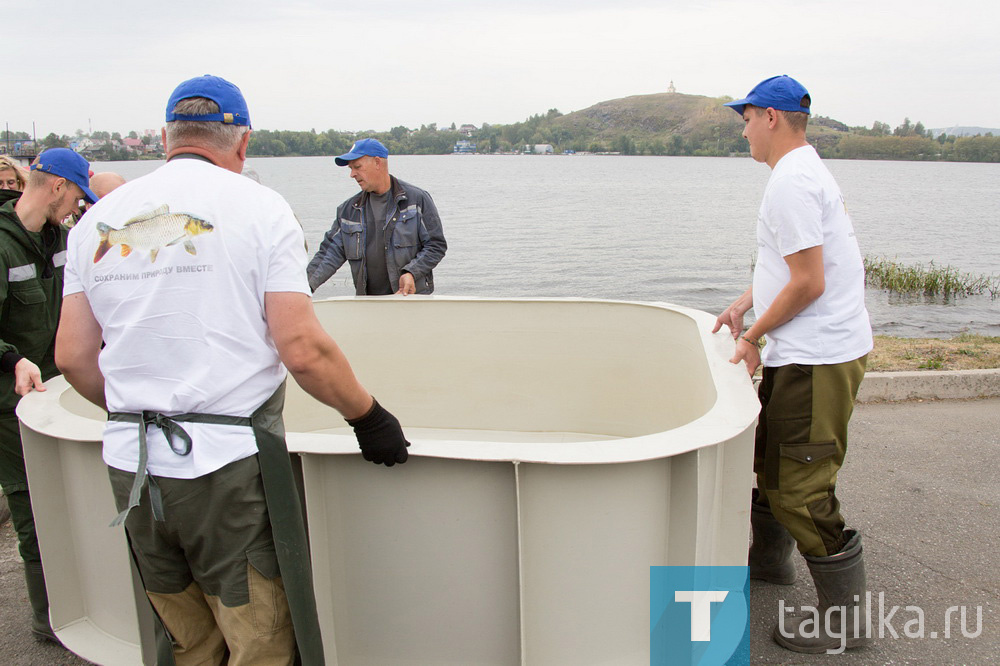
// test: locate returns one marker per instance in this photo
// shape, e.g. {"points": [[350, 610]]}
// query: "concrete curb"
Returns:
{"points": [[929, 385]]}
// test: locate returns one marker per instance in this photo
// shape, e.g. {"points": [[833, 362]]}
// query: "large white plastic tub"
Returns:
{"points": [[560, 449]]}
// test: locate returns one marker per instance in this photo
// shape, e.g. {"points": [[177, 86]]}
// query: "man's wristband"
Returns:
{"points": [[752, 341]]}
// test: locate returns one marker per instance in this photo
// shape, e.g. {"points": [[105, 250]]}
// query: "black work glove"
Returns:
{"points": [[380, 436]]}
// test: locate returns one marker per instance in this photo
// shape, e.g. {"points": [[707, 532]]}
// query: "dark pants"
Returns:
{"points": [[14, 480], [209, 567], [800, 445]]}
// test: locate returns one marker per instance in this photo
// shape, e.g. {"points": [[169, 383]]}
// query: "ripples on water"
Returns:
{"points": [[673, 229]]}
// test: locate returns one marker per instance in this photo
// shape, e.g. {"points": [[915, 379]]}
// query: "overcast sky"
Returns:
{"points": [[376, 64]]}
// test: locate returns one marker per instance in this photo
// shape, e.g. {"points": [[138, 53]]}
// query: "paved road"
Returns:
{"points": [[921, 483]]}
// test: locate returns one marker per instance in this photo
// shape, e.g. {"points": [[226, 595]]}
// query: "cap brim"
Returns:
{"points": [[738, 105], [347, 157], [88, 194]]}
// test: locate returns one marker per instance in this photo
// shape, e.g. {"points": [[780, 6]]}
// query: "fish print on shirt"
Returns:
{"points": [[152, 232]]}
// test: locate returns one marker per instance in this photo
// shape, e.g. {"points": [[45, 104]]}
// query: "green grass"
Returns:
{"points": [[930, 280], [977, 339], [935, 362]]}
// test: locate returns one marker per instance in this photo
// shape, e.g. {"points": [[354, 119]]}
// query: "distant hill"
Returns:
{"points": [[668, 123], [658, 123], [964, 131], [651, 116], [678, 124]]}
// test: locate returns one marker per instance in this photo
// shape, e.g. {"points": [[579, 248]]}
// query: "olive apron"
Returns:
{"points": [[288, 529]]}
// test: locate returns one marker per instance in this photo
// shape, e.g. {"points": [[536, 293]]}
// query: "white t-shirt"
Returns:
{"points": [[803, 208], [179, 294]]}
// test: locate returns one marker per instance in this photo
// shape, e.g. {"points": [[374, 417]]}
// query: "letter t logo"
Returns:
{"points": [[701, 606]]}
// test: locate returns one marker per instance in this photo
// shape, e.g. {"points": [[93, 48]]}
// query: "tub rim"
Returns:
{"points": [[734, 410]]}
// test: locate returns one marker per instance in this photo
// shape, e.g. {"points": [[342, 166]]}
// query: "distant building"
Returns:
{"points": [[22, 151], [86, 146], [540, 149], [464, 147], [468, 130], [93, 150], [670, 88]]}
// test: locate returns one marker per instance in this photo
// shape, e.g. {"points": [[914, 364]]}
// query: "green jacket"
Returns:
{"points": [[31, 285]]}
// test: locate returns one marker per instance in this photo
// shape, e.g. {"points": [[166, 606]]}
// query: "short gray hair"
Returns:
{"points": [[215, 135]]}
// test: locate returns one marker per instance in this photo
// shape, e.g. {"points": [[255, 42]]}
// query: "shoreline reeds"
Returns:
{"points": [[931, 280]]}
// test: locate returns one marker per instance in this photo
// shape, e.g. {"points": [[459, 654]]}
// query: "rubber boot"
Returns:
{"points": [[39, 599], [771, 552], [840, 584]]}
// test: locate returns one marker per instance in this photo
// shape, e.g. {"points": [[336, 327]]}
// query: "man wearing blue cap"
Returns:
{"points": [[201, 311], [32, 256], [809, 301], [390, 232]]}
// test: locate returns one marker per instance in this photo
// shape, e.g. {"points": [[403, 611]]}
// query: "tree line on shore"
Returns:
{"points": [[877, 143], [708, 133]]}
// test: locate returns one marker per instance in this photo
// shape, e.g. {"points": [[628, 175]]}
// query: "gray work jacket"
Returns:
{"points": [[414, 240]]}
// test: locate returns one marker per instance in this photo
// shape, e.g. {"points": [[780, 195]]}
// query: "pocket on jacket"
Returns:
{"points": [[28, 294], [351, 232], [407, 230], [29, 308]]}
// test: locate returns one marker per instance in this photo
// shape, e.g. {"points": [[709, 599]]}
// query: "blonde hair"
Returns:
{"points": [[19, 172]]}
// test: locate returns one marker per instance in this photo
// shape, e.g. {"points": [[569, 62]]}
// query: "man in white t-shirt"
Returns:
{"points": [[194, 278], [809, 301]]}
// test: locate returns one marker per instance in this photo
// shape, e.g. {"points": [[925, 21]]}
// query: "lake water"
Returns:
{"points": [[674, 229]]}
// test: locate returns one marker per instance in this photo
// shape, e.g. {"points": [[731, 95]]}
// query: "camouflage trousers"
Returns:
{"points": [[800, 445]]}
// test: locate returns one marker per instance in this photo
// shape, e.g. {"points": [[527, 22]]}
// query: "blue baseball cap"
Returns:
{"points": [[361, 148], [232, 106], [778, 92], [67, 164]]}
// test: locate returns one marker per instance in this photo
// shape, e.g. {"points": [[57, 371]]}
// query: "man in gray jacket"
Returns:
{"points": [[390, 232]]}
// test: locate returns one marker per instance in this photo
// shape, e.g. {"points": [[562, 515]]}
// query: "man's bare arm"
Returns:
{"points": [[320, 367], [78, 345], [805, 284], [312, 356]]}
